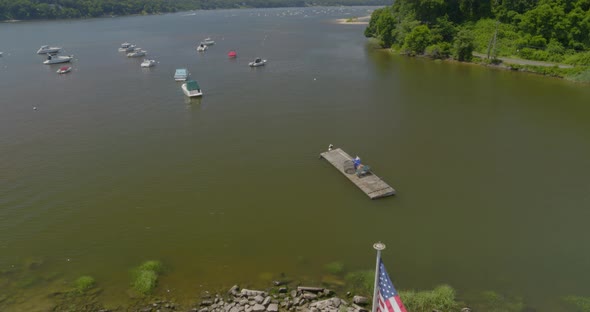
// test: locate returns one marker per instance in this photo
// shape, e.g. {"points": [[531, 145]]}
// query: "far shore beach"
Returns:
{"points": [[363, 20]]}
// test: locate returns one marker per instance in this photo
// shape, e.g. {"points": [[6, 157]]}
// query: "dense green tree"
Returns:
{"points": [[463, 45], [417, 40], [538, 29]]}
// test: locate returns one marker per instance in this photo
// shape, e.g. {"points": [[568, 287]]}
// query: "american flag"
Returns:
{"points": [[389, 300]]}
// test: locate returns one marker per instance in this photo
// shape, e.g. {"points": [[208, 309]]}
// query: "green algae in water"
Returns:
{"points": [[84, 283], [151, 265], [361, 281], [145, 277], [492, 301], [580, 303], [145, 282], [335, 267]]}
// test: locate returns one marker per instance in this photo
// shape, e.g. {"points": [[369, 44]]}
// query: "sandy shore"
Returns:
{"points": [[364, 20]]}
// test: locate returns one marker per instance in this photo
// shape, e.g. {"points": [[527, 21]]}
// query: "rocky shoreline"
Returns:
{"points": [[277, 299]]}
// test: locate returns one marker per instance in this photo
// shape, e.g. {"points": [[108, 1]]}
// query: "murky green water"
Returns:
{"points": [[116, 166]]}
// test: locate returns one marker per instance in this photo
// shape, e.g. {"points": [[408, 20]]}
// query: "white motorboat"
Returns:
{"points": [[207, 42], [127, 47], [201, 48], [137, 52], [56, 59], [64, 69], [257, 62], [192, 89], [1, 53], [47, 49], [181, 74], [148, 63]]}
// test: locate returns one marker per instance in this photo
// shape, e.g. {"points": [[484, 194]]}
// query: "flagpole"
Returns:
{"points": [[378, 246]]}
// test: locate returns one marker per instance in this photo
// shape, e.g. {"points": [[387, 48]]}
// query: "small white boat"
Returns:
{"points": [[47, 49], [65, 69], [192, 89], [181, 74], [148, 63], [1, 53], [127, 47], [207, 42], [56, 59], [137, 52], [201, 48], [257, 62]]}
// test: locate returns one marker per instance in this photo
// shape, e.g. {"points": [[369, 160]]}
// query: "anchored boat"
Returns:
{"points": [[191, 89], [181, 74], [56, 59], [257, 62], [64, 70]]}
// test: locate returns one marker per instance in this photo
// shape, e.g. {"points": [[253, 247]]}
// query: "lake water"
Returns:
{"points": [[116, 166]]}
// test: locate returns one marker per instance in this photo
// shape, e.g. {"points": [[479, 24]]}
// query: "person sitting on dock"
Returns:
{"points": [[356, 162]]}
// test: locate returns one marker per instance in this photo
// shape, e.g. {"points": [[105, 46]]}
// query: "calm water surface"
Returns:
{"points": [[116, 166]]}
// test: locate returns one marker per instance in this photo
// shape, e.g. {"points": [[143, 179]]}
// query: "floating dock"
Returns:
{"points": [[369, 183]]}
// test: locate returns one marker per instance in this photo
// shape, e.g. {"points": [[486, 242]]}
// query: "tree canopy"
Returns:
{"points": [[549, 30]]}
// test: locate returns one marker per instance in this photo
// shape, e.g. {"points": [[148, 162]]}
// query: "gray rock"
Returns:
{"points": [[266, 301], [296, 301], [248, 309], [258, 299], [206, 303], [243, 302], [234, 309], [359, 308], [310, 296], [234, 289], [293, 293], [360, 300], [315, 310], [214, 306], [273, 307], [258, 308], [321, 305], [344, 302], [252, 293], [202, 310], [302, 302], [328, 292], [466, 309], [335, 302], [283, 290]]}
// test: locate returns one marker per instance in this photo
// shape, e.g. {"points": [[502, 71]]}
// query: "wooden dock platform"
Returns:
{"points": [[371, 184]]}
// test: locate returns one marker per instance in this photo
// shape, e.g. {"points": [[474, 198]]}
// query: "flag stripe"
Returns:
{"points": [[399, 302]]}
